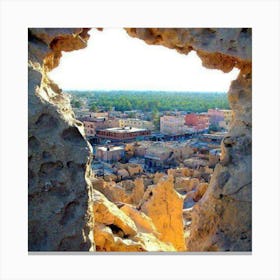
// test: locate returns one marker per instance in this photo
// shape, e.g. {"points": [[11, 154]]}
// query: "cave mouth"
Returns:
{"points": [[230, 146]]}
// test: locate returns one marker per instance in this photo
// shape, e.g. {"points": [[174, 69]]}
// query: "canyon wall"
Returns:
{"points": [[59, 190], [222, 219]]}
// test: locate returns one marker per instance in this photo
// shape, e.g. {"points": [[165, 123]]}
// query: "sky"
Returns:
{"points": [[115, 61]]}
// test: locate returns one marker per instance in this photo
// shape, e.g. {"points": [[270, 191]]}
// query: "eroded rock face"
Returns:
{"points": [[59, 190], [165, 207], [123, 192], [125, 229], [222, 219], [58, 154]]}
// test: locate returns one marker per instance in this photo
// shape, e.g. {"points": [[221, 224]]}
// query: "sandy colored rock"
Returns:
{"points": [[134, 169], [186, 184], [58, 178], [114, 192], [110, 178], [123, 173], [106, 241], [116, 231], [182, 183], [59, 218], [226, 206], [138, 191], [142, 221], [157, 177], [200, 191], [218, 48], [108, 213], [164, 206]]}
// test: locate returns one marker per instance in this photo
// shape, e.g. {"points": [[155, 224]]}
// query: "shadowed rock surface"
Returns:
{"points": [[58, 154]]}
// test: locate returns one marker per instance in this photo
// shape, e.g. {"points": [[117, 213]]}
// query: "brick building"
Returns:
{"points": [[197, 122], [122, 133], [92, 124]]}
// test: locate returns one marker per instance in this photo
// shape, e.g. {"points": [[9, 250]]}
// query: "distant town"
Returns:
{"points": [[152, 141]]}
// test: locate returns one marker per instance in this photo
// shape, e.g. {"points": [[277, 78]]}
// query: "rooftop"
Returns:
{"points": [[123, 129], [115, 148]]}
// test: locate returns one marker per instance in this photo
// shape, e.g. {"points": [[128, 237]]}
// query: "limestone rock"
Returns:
{"points": [[134, 169], [122, 174], [106, 241], [142, 221], [218, 48], [200, 191], [115, 231], [59, 216], [58, 178], [114, 192], [138, 191], [157, 177], [107, 213], [186, 184], [164, 206]]}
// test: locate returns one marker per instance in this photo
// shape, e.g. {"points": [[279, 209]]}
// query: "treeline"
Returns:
{"points": [[154, 100]]}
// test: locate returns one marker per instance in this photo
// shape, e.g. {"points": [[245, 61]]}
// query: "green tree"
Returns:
{"points": [[131, 114], [93, 108], [76, 103]]}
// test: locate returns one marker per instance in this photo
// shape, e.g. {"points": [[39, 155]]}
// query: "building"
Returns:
{"points": [[136, 123], [159, 157], [197, 122], [110, 154], [81, 113], [220, 118], [122, 133], [91, 124], [173, 125], [112, 122], [99, 115], [215, 116]]}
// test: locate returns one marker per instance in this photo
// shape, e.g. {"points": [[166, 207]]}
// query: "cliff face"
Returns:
{"points": [[222, 220], [58, 155]]}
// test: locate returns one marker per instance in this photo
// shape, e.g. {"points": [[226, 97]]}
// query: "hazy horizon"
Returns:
{"points": [[130, 63], [141, 90]]}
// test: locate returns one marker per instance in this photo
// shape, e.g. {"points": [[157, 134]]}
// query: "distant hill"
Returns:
{"points": [[124, 100]]}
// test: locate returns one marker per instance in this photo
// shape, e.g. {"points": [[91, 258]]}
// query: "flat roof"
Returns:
{"points": [[116, 148], [124, 129]]}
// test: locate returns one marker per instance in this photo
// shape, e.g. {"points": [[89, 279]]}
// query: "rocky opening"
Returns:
{"points": [[62, 211]]}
